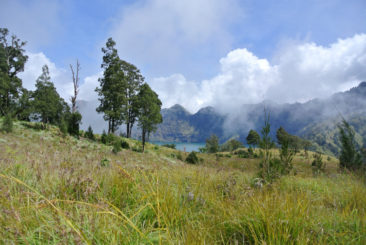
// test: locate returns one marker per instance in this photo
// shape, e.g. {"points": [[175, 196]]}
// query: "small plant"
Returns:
{"points": [[90, 134], [192, 158], [104, 162], [116, 146], [124, 144], [103, 138], [7, 124], [172, 146], [317, 165]]}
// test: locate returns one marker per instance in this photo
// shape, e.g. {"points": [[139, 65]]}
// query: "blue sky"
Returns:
{"points": [[199, 52]]}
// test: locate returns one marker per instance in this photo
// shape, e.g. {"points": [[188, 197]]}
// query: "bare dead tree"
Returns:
{"points": [[75, 80]]}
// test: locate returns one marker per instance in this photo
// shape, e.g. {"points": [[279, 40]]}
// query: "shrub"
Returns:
{"points": [[89, 134], [274, 169], [192, 158], [103, 138], [73, 123], [172, 146], [63, 127], [7, 124], [317, 165], [104, 162], [116, 147], [124, 144]]}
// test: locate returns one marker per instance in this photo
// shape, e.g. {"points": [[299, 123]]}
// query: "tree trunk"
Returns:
{"points": [[109, 126], [143, 139], [128, 130]]}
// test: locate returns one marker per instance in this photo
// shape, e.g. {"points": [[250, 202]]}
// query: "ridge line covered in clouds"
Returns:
{"points": [[301, 72]]}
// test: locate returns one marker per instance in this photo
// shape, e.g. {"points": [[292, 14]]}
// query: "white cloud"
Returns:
{"points": [[300, 72], [59, 76], [163, 33]]}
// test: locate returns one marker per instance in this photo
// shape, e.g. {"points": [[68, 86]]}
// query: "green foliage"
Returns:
{"points": [[192, 158], [212, 144], [116, 146], [172, 146], [47, 103], [12, 60], [270, 168], [74, 123], [317, 165], [231, 145], [349, 158], [293, 142], [104, 162], [103, 138], [124, 144], [253, 138], [63, 127], [112, 88], [287, 154], [149, 114], [7, 125], [90, 134], [202, 149]]}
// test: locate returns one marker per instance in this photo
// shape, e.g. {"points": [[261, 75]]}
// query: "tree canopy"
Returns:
{"points": [[149, 116], [12, 60]]}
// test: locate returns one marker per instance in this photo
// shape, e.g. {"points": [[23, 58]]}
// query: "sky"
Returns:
{"points": [[221, 53]]}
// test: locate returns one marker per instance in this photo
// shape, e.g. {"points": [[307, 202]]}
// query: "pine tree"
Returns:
{"points": [[90, 134], [149, 115], [253, 138], [112, 88], [47, 103], [349, 157]]}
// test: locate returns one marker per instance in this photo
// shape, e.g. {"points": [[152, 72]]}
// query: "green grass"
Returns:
{"points": [[56, 190]]}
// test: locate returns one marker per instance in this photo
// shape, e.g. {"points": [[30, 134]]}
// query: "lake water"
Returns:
{"points": [[188, 147]]}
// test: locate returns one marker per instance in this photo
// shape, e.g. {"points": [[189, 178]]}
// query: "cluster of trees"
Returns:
{"points": [[124, 97], [43, 104]]}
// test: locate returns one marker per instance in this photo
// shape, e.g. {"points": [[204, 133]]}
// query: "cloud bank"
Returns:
{"points": [[298, 72]]}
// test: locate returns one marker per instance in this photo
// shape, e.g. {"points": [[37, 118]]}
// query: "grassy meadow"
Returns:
{"points": [[60, 190]]}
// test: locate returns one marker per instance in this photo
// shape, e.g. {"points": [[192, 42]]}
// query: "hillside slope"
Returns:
{"points": [[61, 190]]}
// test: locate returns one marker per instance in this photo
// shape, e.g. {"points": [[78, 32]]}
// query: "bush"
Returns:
{"points": [[242, 153], [275, 168], [103, 138], [116, 147], [172, 146], [63, 127], [73, 124], [104, 162], [125, 145], [192, 158], [89, 134], [317, 165], [7, 124]]}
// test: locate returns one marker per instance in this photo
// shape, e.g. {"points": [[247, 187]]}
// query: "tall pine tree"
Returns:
{"points": [[112, 88], [49, 107]]}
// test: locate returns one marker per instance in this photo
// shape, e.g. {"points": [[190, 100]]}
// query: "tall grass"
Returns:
{"points": [[55, 190]]}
